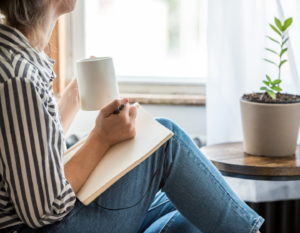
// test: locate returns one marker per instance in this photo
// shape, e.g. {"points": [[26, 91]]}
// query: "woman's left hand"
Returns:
{"points": [[69, 104]]}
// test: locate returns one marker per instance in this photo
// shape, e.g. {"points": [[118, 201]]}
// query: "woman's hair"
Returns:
{"points": [[25, 15]]}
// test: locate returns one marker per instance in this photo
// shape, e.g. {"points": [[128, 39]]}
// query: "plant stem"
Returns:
{"points": [[279, 71], [279, 67]]}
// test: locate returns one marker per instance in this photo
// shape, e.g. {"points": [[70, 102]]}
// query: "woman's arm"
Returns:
{"points": [[69, 104], [85, 160], [109, 130], [31, 146]]}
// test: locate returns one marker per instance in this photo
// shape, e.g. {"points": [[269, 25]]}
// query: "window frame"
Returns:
{"points": [[74, 28]]}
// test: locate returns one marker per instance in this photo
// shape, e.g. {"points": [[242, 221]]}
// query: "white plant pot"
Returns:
{"points": [[270, 129]]}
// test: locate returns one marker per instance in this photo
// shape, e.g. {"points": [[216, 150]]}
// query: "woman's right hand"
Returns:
{"points": [[114, 128]]}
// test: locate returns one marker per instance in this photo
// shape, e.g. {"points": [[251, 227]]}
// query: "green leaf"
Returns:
{"points": [[263, 88], [267, 60], [277, 81], [284, 42], [268, 78], [278, 24], [287, 23], [277, 89], [266, 82], [281, 63], [275, 29], [271, 94], [271, 50], [283, 51], [272, 39]]}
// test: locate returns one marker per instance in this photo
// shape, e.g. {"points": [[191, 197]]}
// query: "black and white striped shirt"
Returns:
{"points": [[33, 188]]}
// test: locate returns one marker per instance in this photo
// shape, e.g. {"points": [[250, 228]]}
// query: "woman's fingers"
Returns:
{"points": [[73, 83], [132, 112], [111, 107], [117, 127], [124, 113]]}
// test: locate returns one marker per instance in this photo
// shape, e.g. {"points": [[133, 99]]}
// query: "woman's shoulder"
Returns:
{"points": [[19, 70], [16, 67], [18, 73]]}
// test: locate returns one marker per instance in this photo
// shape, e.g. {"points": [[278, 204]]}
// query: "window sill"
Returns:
{"points": [[166, 87], [166, 99]]}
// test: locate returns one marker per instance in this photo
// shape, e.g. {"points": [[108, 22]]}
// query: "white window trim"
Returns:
{"points": [[161, 85], [127, 84]]}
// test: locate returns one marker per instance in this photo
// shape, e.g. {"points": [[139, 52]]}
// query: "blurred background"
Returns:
{"points": [[159, 49], [189, 61]]}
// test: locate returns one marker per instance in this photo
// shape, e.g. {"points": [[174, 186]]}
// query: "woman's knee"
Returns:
{"points": [[176, 129], [168, 124]]}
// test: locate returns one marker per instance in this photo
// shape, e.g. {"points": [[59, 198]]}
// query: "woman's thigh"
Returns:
{"points": [[122, 207]]}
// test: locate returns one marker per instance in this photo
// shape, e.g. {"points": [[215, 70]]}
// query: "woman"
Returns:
{"points": [[37, 193]]}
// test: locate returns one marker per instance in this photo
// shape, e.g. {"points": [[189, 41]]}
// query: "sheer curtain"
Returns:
{"points": [[237, 32]]}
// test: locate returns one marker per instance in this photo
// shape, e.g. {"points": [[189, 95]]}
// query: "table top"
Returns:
{"points": [[231, 160]]}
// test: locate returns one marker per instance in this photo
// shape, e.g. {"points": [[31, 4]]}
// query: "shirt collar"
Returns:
{"points": [[14, 40]]}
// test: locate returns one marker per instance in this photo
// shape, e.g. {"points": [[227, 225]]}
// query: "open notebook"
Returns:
{"points": [[122, 157]]}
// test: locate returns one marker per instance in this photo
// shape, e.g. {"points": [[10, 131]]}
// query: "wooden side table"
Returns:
{"points": [[230, 159], [281, 216]]}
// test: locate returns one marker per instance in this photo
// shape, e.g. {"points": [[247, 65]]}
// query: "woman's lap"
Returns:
{"points": [[193, 185], [121, 208], [162, 216]]}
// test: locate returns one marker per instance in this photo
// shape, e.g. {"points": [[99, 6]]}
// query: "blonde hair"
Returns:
{"points": [[25, 15]]}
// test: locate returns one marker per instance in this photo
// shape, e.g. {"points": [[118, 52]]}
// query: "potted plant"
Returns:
{"points": [[271, 118]]}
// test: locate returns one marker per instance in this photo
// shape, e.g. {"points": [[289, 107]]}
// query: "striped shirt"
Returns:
{"points": [[33, 187]]}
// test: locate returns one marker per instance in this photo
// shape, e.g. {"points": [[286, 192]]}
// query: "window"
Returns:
{"points": [[151, 41]]}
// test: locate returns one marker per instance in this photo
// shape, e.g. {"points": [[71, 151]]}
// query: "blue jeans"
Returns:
{"points": [[176, 190]]}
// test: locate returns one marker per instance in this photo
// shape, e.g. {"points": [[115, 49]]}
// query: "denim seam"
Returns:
{"points": [[215, 180], [165, 227], [166, 169], [257, 224], [159, 205]]}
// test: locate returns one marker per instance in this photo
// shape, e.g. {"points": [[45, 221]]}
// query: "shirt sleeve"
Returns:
{"points": [[31, 147]]}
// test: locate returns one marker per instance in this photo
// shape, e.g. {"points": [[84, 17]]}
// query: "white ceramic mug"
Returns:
{"points": [[96, 82]]}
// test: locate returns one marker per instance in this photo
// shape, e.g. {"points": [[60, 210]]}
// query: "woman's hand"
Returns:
{"points": [[114, 128], [109, 130], [69, 104]]}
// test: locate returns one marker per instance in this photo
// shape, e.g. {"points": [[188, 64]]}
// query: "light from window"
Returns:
{"points": [[148, 38]]}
